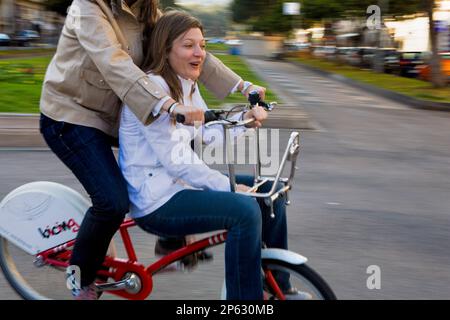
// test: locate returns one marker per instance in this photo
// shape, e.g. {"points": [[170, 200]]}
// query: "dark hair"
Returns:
{"points": [[149, 15], [169, 27]]}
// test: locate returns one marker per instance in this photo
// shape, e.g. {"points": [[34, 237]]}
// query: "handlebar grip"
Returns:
{"points": [[209, 116], [254, 98], [180, 118]]}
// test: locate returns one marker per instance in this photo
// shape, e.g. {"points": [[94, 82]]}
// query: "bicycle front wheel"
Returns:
{"points": [[27, 278], [301, 277]]}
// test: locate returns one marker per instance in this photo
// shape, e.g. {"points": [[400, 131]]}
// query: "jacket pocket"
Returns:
{"points": [[95, 93]]}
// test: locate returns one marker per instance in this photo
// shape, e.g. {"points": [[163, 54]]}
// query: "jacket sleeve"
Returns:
{"points": [[218, 78], [96, 35], [179, 159]]}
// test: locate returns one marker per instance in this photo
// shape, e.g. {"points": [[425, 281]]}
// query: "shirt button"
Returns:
{"points": [[102, 81], [156, 92], [145, 82]]}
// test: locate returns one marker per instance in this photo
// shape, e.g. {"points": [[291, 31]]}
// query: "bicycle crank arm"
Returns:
{"points": [[131, 284]]}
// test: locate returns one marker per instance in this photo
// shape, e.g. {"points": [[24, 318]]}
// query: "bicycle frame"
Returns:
{"points": [[124, 272]]}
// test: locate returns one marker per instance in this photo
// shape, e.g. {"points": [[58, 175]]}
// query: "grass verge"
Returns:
{"points": [[21, 82]]}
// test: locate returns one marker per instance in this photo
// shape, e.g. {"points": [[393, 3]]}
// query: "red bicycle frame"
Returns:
{"points": [[118, 269]]}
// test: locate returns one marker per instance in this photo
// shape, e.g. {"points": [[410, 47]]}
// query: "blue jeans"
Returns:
{"points": [[248, 223], [87, 152]]}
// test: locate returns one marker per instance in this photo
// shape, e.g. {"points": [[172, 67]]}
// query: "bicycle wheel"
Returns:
{"points": [[301, 277], [30, 281]]}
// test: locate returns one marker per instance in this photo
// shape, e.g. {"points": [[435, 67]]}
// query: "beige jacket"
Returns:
{"points": [[91, 73]]}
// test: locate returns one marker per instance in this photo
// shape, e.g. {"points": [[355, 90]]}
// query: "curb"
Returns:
{"points": [[398, 97], [18, 130]]}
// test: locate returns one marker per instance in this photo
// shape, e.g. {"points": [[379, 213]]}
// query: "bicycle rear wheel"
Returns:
{"points": [[301, 277], [30, 281]]}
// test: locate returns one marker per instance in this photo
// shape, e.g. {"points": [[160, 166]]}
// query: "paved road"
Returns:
{"points": [[372, 189], [374, 185]]}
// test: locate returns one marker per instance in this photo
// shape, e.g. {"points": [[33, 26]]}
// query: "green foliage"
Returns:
{"points": [[236, 64], [21, 84]]}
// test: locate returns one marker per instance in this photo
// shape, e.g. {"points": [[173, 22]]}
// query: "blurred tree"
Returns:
{"points": [[437, 77], [262, 15], [59, 6], [404, 7]]}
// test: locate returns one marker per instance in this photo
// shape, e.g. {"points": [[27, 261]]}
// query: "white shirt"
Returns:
{"points": [[146, 158]]}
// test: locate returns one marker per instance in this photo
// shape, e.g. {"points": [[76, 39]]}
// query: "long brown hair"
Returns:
{"points": [[169, 27]]}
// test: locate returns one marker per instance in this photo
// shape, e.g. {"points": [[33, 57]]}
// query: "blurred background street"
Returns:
{"points": [[373, 181]]}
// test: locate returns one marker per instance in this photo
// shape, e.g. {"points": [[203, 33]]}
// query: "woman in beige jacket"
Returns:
{"points": [[95, 70]]}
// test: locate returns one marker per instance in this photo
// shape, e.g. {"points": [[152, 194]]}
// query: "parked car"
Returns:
{"points": [[327, 52], [5, 40], [352, 56], [234, 42], [216, 40], [391, 59], [26, 38], [410, 61], [342, 54], [425, 70], [366, 57]]}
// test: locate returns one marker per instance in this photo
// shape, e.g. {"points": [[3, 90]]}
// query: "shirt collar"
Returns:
{"points": [[188, 85]]}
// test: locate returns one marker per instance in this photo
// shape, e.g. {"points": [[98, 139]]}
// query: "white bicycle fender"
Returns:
{"points": [[283, 255], [276, 254], [41, 215]]}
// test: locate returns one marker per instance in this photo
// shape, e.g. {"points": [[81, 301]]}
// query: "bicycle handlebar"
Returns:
{"points": [[216, 115]]}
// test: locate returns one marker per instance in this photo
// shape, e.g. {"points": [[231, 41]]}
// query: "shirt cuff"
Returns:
{"points": [[235, 88], [158, 107]]}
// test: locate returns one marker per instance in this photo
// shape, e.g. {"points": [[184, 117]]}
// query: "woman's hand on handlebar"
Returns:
{"points": [[259, 114], [191, 114]]}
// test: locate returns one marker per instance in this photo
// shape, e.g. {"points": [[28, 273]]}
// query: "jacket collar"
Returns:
{"points": [[120, 6], [134, 10]]}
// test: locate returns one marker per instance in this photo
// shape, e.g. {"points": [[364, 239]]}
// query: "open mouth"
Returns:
{"points": [[195, 64]]}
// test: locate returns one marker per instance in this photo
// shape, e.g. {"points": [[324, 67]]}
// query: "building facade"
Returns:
{"points": [[17, 15]]}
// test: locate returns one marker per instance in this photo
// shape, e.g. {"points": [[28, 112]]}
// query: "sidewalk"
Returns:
{"points": [[22, 130]]}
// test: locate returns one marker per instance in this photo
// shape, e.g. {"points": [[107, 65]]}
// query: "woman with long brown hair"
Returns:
{"points": [[96, 68]]}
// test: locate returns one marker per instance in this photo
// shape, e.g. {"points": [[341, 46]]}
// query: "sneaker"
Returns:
{"points": [[295, 294], [86, 293]]}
